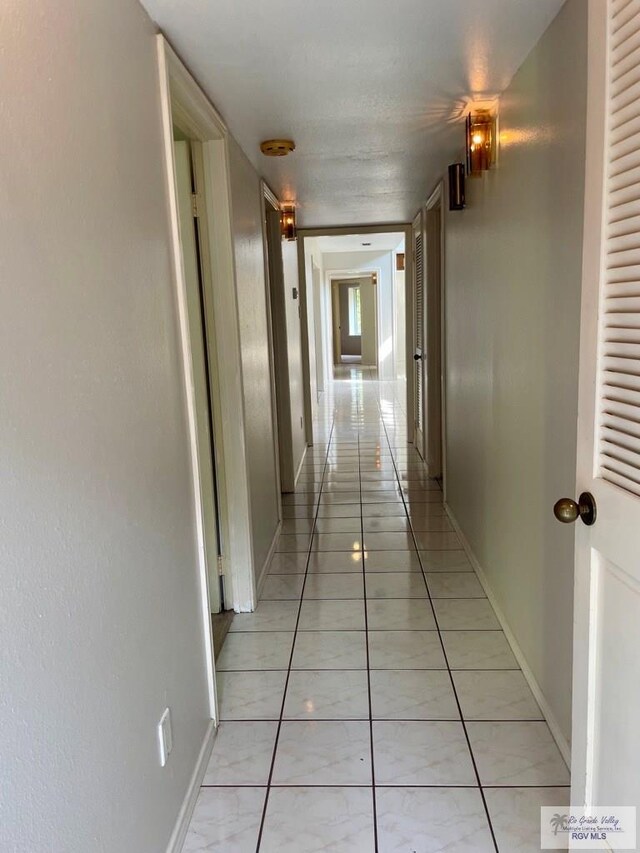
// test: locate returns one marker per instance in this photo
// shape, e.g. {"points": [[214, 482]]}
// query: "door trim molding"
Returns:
{"points": [[184, 103], [547, 713]]}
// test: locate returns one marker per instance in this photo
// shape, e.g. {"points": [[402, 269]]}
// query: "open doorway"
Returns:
{"points": [[355, 320], [188, 176]]}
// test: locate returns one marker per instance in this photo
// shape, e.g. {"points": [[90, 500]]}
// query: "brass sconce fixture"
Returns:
{"points": [[481, 141], [288, 221]]}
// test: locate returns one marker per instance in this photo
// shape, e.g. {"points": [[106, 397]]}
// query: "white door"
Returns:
{"points": [[418, 332], [190, 260], [606, 695]]}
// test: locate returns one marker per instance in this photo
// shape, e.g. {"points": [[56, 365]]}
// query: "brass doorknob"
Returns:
{"points": [[567, 510]]}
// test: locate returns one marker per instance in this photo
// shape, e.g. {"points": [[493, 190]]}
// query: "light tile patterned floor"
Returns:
{"points": [[372, 702]]}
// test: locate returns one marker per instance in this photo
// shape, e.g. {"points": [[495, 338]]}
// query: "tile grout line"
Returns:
{"points": [[366, 639], [453, 686], [293, 646]]}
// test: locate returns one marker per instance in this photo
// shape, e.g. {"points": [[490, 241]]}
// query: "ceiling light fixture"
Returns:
{"points": [[277, 147], [481, 141], [288, 221]]}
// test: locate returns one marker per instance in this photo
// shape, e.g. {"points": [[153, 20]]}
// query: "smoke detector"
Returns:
{"points": [[277, 147]]}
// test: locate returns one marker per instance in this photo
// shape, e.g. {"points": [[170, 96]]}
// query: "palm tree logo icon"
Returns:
{"points": [[559, 822]]}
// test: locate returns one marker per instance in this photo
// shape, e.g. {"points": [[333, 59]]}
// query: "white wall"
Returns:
{"points": [[366, 261], [254, 341], [100, 626], [513, 267]]}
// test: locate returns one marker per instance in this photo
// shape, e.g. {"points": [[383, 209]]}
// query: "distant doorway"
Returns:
{"points": [[354, 320]]}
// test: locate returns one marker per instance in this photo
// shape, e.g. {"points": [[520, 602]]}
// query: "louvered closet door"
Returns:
{"points": [[606, 733], [418, 325]]}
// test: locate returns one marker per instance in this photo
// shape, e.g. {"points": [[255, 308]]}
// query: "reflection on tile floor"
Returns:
{"points": [[372, 703]]}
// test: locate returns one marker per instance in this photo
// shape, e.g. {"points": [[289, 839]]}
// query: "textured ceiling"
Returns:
{"points": [[372, 91]]}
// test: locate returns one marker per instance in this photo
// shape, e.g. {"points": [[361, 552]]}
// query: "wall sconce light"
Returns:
{"points": [[481, 141], [456, 186], [288, 221]]}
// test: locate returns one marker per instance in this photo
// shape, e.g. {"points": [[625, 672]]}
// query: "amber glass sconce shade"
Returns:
{"points": [[288, 221], [481, 141]]}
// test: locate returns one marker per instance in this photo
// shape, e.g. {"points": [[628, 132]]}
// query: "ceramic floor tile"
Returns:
{"points": [[281, 587], [389, 542], [330, 498], [293, 543], [442, 540], [337, 542], [323, 753], [392, 561], [478, 650], [395, 585], [244, 651], [328, 695], [502, 695], [516, 754], [405, 650], [327, 586], [338, 525], [225, 820], [297, 526], [351, 510], [465, 614], [329, 615], [242, 754], [445, 561], [250, 695], [387, 524], [330, 650], [318, 820], [421, 753], [400, 614], [383, 510], [432, 820], [430, 523], [335, 562], [454, 585], [515, 815], [301, 511], [412, 695], [269, 616], [288, 564]]}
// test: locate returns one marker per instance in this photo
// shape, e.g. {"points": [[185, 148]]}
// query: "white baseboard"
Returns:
{"points": [[263, 571], [561, 741], [176, 842]]}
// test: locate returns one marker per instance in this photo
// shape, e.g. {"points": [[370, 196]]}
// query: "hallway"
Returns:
{"points": [[372, 705]]}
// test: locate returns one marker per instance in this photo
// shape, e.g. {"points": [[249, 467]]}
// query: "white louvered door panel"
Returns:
{"points": [[606, 666], [419, 315]]}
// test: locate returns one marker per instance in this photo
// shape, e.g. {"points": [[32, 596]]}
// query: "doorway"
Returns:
{"points": [[188, 187], [433, 345], [354, 314]]}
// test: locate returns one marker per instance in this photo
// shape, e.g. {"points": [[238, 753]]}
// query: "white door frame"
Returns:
{"points": [[419, 441], [278, 358], [435, 202], [184, 104], [386, 228]]}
